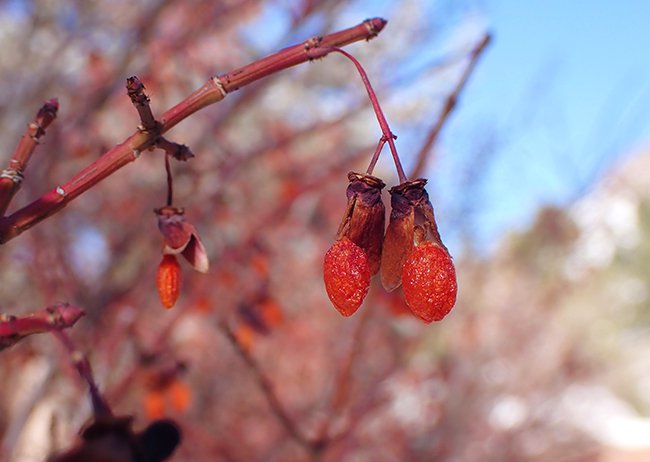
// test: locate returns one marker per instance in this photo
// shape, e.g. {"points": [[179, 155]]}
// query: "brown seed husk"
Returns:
{"points": [[181, 237], [412, 221], [365, 216]]}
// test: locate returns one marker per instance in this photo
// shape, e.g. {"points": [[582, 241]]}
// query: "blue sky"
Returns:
{"points": [[566, 88]]}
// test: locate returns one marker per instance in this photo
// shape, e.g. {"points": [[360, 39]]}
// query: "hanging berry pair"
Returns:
{"points": [[410, 254]]}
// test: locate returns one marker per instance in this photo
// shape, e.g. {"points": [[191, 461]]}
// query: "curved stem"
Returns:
{"points": [[388, 136], [170, 182]]}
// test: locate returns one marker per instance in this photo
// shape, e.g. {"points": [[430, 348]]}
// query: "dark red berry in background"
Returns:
{"points": [[347, 276], [429, 282]]}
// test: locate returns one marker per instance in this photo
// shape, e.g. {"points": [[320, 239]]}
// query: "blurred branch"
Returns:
{"points": [[450, 103], [313, 446], [214, 90], [341, 394], [53, 318], [12, 175], [82, 365]]}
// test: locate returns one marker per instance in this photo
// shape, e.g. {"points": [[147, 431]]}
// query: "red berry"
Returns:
{"points": [[429, 282], [347, 276], [169, 280]]}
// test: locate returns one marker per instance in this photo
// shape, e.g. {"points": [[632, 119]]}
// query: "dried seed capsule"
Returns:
{"points": [[347, 276], [411, 221], [364, 217], [169, 280], [429, 282]]}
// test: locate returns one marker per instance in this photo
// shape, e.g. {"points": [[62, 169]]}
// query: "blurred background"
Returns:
{"points": [[539, 182]]}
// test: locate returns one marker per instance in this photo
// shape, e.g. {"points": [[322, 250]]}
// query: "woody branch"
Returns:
{"points": [[214, 90]]}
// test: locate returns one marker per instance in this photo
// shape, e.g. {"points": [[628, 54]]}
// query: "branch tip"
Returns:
{"points": [[375, 26]]}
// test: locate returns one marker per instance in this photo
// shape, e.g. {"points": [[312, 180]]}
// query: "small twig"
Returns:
{"points": [[12, 176], [214, 90], [176, 150], [135, 90], [82, 365], [269, 393], [450, 103], [52, 318]]}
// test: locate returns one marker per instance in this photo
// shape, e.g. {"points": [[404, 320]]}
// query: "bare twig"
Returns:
{"points": [[341, 393], [52, 318], [313, 446], [12, 175], [450, 103], [82, 365], [135, 90], [214, 90]]}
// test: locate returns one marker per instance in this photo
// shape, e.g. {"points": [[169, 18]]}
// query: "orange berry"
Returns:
{"points": [[429, 282], [154, 404], [169, 280], [347, 276]]}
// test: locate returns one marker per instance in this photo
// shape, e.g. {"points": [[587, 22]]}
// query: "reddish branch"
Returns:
{"points": [[313, 446], [50, 319], [12, 175], [82, 365], [450, 104], [214, 90]]}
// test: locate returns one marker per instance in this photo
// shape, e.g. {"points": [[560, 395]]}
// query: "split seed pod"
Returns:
{"points": [[181, 237], [411, 221], [365, 216]]}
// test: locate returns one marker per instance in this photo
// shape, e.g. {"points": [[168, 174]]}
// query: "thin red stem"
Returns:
{"points": [[375, 156], [214, 90], [170, 180], [388, 136]]}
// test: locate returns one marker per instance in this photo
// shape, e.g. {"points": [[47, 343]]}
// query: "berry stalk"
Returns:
{"points": [[387, 136]]}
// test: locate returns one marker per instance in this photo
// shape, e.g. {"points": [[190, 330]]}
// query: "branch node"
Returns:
{"points": [[60, 191], [12, 174], [219, 86]]}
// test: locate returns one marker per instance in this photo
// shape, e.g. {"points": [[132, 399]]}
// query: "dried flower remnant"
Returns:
{"points": [[347, 276], [365, 216], [181, 237], [169, 280]]}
